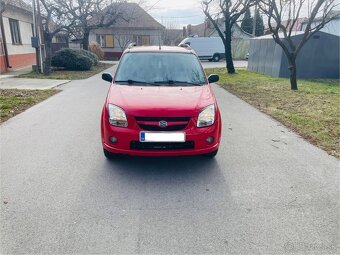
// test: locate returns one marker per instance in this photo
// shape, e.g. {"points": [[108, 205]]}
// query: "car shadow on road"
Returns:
{"points": [[166, 182], [163, 165]]}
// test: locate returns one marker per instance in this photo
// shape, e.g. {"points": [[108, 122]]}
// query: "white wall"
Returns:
{"points": [[25, 21], [155, 36]]}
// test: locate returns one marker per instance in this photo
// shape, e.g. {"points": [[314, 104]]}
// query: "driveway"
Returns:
{"points": [[267, 191], [222, 63]]}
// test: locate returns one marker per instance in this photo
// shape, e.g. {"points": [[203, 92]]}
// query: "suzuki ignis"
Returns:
{"points": [[160, 103]]}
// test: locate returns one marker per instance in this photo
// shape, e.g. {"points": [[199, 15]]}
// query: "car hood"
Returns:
{"points": [[162, 101]]}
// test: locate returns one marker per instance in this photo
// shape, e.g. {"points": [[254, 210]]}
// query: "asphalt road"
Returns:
{"points": [[267, 191]]}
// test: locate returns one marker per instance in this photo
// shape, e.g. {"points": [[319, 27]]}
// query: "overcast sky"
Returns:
{"points": [[176, 12]]}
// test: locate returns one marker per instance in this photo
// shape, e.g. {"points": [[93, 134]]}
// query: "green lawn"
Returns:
{"points": [[61, 74], [14, 101], [313, 111]]}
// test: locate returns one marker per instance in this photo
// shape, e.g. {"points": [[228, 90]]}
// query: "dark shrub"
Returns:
{"points": [[90, 55], [71, 59]]}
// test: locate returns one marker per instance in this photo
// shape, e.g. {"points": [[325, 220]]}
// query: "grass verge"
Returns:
{"points": [[15, 101], [61, 74], [313, 111]]}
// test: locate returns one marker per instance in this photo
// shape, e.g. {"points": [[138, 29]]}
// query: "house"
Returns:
{"points": [[318, 58], [15, 35], [137, 26], [172, 37], [296, 27], [240, 39], [332, 27]]}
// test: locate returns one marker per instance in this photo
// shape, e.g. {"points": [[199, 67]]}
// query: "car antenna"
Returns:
{"points": [[159, 42]]}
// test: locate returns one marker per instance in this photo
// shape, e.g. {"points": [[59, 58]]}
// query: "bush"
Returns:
{"points": [[90, 55], [96, 49], [71, 59]]}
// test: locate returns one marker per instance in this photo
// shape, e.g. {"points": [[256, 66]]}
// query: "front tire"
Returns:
{"points": [[109, 155], [211, 154], [216, 57]]}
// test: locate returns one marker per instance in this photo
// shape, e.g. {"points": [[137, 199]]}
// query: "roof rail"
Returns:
{"points": [[131, 45], [184, 45]]}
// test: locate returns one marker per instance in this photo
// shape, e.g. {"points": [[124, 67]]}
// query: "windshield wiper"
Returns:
{"points": [[135, 82], [177, 82]]}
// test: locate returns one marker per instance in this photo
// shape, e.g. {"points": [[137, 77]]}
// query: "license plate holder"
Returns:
{"points": [[174, 137]]}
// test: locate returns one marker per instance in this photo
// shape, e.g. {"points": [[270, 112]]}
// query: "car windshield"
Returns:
{"points": [[160, 69]]}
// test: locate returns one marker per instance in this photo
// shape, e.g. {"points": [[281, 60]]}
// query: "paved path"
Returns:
{"points": [[9, 81], [267, 191], [25, 83]]}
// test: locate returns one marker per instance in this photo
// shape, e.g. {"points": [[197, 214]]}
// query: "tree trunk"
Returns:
{"points": [[292, 69], [86, 40], [227, 48], [48, 48]]}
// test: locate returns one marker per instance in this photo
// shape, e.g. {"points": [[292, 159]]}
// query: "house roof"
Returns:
{"points": [[131, 15], [173, 34], [296, 33], [297, 26], [334, 13], [19, 4], [200, 30], [281, 35], [207, 29]]}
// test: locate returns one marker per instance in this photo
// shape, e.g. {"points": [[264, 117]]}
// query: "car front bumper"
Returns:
{"points": [[127, 137]]}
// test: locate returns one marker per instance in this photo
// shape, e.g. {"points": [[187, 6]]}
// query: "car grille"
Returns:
{"points": [[152, 123], [136, 145]]}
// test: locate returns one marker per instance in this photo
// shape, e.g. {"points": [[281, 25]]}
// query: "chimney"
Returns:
{"points": [[184, 32], [189, 30]]}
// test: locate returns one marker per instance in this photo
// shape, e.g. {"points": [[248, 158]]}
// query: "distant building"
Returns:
{"points": [[297, 26], [318, 58], [207, 29], [15, 36], [137, 26], [333, 27], [240, 39], [172, 37]]}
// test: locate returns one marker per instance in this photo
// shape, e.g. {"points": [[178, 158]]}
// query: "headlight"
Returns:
{"points": [[206, 117], [117, 116]]}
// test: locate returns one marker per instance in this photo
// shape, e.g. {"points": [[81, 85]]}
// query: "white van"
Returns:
{"points": [[210, 48]]}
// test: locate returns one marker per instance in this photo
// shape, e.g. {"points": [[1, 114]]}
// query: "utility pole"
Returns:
{"points": [[254, 21], [41, 39], [35, 34]]}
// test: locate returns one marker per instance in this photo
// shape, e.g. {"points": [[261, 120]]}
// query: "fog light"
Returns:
{"points": [[113, 139], [210, 139]]}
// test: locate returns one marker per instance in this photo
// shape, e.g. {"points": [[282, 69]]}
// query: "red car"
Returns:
{"points": [[160, 103]]}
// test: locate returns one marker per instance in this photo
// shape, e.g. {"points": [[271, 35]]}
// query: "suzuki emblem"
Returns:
{"points": [[163, 123]]}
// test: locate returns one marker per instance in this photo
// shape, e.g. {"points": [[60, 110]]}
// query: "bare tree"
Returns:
{"points": [[283, 16], [223, 14], [55, 20], [91, 14], [123, 39]]}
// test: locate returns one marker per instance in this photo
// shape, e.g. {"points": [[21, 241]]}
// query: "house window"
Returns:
{"points": [[105, 41], [15, 31], [142, 40]]}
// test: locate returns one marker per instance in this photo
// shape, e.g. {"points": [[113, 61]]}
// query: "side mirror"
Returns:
{"points": [[213, 78], [107, 77]]}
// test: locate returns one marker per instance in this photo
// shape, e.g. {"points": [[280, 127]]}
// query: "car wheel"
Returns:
{"points": [[211, 154], [109, 155], [216, 57]]}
